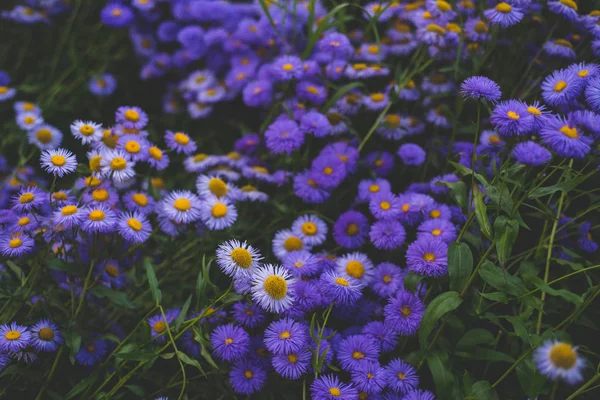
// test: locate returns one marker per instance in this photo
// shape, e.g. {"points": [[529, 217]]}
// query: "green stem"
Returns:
{"points": [[49, 378], [584, 387], [474, 274]]}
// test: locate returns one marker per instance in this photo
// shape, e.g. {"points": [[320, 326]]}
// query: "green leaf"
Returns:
{"points": [[182, 314], [203, 349], [460, 265], [495, 296], [341, 92], [441, 373], [190, 361], [152, 281], [118, 298], [438, 307], [73, 342], [544, 287], [530, 379], [200, 286], [565, 186], [506, 232], [412, 281], [501, 280], [459, 192], [501, 197], [81, 386], [482, 390], [137, 390], [485, 354], [136, 355], [468, 171], [59, 265], [481, 213], [520, 329], [17, 271], [473, 338]]}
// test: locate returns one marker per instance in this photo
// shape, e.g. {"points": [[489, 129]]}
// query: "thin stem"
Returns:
{"points": [[474, 274], [49, 378], [584, 387]]}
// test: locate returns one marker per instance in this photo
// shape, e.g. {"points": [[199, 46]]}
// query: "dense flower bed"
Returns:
{"points": [[300, 199]]}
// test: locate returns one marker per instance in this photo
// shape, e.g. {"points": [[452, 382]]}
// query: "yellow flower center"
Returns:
{"points": [[97, 215], [373, 49], [217, 187], [118, 164], [563, 42], [155, 153], [68, 210], [24, 221], [563, 355], [285, 335], [275, 286], [219, 210], [46, 334], [182, 204], [248, 188], [140, 199], [292, 358], [569, 132], [58, 160], [341, 281], [435, 28], [200, 157], [248, 374], [312, 89], [109, 139], [443, 6], [132, 147], [287, 67], [560, 86], [158, 183], [26, 198], [385, 205], [583, 73], [493, 139], [335, 392], [429, 257], [513, 115], [100, 195], [503, 8], [534, 111], [355, 269], [351, 229], [159, 327], [86, 130], [181, 138], [134, 224], [387, 278], [12, 335], [328, 170], [374, 188], [112, 270], [309, 228], [481, 27], [392, 119], [357, 355], [436, 232], [4, 90], [405, 311], [569, 3], [15, 242], [43, 135], [116, 12], [401, 376], [95, 163], [377, 97], [132, 116], [241, 257], [91, 181], [293, 243], [435, 214]]}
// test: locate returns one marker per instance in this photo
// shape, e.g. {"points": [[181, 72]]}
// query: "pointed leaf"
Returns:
{"points": [[438, 307], [506, 232], [460, 265], [152, 281]]}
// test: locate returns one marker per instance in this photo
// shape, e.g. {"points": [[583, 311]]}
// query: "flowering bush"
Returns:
{"points": [[299, 199]]}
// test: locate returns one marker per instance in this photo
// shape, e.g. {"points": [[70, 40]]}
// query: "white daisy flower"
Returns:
{"points": [[272, 288], [58, 162], [218, 213], [29, 120], [116, 163], [285, 241], [87, 131], [250, 193], [356, 265], [214, 186], [556, 360], [311, 229], [45, 137], [199, 162], [237, 259], [181, 206]]}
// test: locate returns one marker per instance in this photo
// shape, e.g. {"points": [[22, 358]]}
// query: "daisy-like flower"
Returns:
{"points": [[340, 289], [285, 241], [292, 365], [531, 153], [45, 336], [311, 229], [25, 106], [329, 387], [248, 315], [58, 162], [284, 136], [139, 201], [159, 324], [181, 206], [302, 263], [29, 120], [286, 68], [400, 376], [356, 350], [45, 136], [247, 376], [560, 48], [210, 185], [86, 131], [134, 227], [230, 342], [385, 205], [250, 193], [351, 229], [131, 117], [15, 244], [157, 158], [404, 313], [480, 87], [437, 228], [387, 234], [511, 118], [562, 87], [117, 165], [14, 337], [418, 394], [28, 199], [92, 352], [180, 142], [237, 259], [286, 336], [103, 85], [592, 93], [428, 257], [98, 218], [272, 288], [199, 162], [369, 377], [566, 8], [559, 360], [218, 213], [357, 265], [504, 14], [135, 146], [564, 139], [69, 215]]}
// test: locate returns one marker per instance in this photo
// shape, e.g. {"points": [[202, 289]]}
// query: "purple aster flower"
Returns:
{"points": [[308, 190], [103, 85], [286, 68], [351, 229], [16, 244], [301, 263], [368, 188], [437, 228], [180, 142], [258, 93], [247, 376], [134, 227], [329, 387], [419, 395], [293, 364], [28, 199], [531, 153], [477, 87], [401, 377], [158, 325], [356, 350], [345, 152], [336, 44], [565, 140], [585, 241], [45, 336], [315, 123], [382, 162], [91, 352], [428, 257], [248, 315], [504, 14], [404, 312], [388, 278], [286, 336], [382, 334], [437, 188], [14, 337], [369, 377], [560, 48], [339, 288], [328, 171], [376, 101], [284, 136], [567, 9], [230, 342], [131, 117], [306, 298], [312, 92], [387, 234], [561, 88], [181, 206], [592, 93], [98, 218], [412, 154], [116, 15], [512, 118]]}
